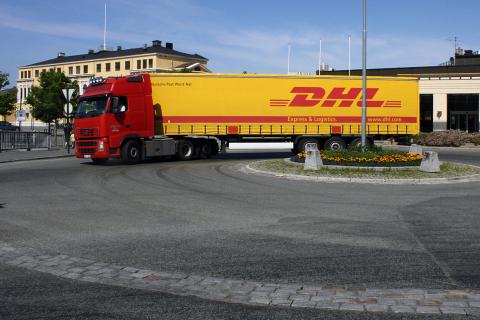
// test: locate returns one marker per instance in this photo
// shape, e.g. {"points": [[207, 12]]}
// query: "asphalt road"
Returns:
{"points": [[209, 218]]}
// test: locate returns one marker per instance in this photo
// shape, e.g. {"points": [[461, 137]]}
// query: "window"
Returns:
{"points": [[77, 70], [144, 63], [85, 68], [70, 70], [150, 63], [43, 70], [21, 74], [117, 66], [127, 65], [59, 70], [37, 73], [139, 64], [51, 69], [99, 67], [107, 67], [29, 74]]}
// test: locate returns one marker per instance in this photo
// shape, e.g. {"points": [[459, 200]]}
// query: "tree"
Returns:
{"points": [[47, 100], [7, 98]]}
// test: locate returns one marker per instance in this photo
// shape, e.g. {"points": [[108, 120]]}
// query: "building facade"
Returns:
{"points": [[449, 93], [104, 63]]}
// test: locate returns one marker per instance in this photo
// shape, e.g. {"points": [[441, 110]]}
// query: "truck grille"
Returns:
{"points": [[87, 150], [87, 143], [86, 132]]}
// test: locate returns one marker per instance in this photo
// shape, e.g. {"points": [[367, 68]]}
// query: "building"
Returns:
{"points": [[105, 63], [449, 93]]}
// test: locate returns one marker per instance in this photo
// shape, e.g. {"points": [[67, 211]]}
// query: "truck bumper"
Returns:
{"points": [[95, 148]]}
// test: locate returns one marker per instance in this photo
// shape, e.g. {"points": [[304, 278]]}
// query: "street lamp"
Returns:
{"points": [[364, 76]]}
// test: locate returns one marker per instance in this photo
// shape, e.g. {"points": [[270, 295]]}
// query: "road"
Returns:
{"points": [[208, 218]]}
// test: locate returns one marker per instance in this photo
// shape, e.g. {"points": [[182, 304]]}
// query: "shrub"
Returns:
{"points": [[449, 138]]}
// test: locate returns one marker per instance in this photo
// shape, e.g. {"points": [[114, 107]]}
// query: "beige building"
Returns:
{"points": [[105, 63]]}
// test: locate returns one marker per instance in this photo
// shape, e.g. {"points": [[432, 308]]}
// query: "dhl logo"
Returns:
{"points": [[337, 97]]}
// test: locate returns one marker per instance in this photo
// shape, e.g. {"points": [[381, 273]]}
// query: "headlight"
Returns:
{"points": [[101, 146]]}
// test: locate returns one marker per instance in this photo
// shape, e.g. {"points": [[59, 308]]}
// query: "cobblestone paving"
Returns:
{"points": [[465, 302]]}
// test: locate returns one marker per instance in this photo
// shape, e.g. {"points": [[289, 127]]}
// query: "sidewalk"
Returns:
{"points": [[23, 155]]}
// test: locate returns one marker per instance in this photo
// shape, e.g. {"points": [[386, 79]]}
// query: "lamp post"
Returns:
{"points": [[364, 76]]}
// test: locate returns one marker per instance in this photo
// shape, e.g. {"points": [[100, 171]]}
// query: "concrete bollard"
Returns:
{"points": [[313, 161], [430, 162], [416, 149]]}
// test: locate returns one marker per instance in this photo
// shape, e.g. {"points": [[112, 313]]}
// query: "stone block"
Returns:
{"points": [[415, 149], [313, 161], [430, 162]]}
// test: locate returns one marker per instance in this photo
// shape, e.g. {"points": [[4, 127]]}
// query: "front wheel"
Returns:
{"points": [[131, 152]]}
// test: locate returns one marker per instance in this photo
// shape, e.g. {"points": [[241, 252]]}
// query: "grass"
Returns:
{"points": [[447, 170]]}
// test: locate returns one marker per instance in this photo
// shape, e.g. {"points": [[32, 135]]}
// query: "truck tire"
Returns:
{"points": [[186, 150], [303, 142], [208, 149], [131, 152], [335, 143], [357, 143]]}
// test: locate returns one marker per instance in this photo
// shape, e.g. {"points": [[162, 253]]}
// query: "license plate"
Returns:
{"points": [[87, 156]]}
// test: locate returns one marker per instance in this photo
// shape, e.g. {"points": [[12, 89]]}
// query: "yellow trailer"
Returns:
{"points": [[263, 105]]}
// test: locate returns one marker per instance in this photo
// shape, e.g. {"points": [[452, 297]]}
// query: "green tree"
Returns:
{"points": [[7, 99], [47, 100]]}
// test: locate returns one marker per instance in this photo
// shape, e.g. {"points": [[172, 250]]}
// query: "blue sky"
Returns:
{"points": [[243, 35]]}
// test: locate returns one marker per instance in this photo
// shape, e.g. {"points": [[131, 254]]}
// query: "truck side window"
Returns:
{"points": [[120, 104]]}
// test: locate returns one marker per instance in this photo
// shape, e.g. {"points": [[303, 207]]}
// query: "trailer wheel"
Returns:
{"points": [[186, 150], [335, 144], [300, 147], [131, 152], [357, 143]]}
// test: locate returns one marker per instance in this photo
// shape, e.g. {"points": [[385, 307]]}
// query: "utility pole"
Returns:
{"points": [[349, 55], [288, 58], [364, 76], [320, 58]]}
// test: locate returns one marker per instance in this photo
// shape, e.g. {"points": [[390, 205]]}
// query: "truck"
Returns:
{"points": [[194, 115]]}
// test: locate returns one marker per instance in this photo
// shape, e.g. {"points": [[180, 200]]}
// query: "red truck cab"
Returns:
{"points": [[113, 112]]}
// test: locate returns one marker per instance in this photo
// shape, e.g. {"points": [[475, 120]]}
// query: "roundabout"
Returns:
{"points": [[202, 223]]}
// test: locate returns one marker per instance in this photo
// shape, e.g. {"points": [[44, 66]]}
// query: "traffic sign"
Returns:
{"points": [[68, 108], [21, 115], [68, 93]]}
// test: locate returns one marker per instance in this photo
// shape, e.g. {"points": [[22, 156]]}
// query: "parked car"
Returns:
{"points": [[7, 126]]}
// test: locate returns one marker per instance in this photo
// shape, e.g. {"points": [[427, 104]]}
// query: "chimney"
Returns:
{"points": [[119, 48], [145, 46], [91, 51], [61, 55], [156, 43], [169, 45]]}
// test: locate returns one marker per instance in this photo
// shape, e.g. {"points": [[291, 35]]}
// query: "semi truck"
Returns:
{"points": [[193, 115]]}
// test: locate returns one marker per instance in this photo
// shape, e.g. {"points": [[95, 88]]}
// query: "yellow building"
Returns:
{"points": [[105, 63]]}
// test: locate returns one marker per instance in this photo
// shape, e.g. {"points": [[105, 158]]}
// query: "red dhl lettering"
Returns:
{"points": [[337, 97]]}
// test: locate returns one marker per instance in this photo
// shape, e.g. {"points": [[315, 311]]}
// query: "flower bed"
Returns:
{"points": [[370, 158]]}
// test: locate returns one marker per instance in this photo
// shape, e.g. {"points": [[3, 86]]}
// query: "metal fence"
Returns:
{"points": [[12, 140]]}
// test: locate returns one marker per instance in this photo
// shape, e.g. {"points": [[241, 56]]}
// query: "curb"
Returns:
{"points": [[427, 181], [33, 159], [408, 300]]}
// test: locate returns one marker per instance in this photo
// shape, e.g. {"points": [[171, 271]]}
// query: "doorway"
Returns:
{"points": [[463, 112]]}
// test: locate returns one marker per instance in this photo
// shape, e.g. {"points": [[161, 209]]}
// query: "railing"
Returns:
{"points": [[12, 140]]}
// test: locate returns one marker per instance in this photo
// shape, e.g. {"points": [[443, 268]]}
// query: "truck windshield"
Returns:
{"points": [[91, 107]]}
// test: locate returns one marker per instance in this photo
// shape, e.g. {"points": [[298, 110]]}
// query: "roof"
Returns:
{"points": [[431, 71], [101, 55]]}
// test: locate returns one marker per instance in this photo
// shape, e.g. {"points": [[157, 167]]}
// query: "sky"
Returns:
{"points": [[247, 35]]}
